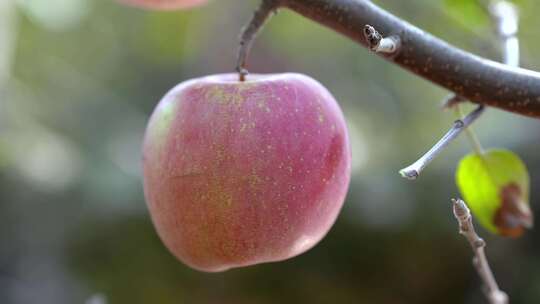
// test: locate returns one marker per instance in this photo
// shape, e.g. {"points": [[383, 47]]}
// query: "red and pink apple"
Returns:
{"points": [[239, 173], [164, 4]]}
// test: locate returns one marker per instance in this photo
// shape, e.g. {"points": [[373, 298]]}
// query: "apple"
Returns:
{"points": [[164, 4], [238, 173]]}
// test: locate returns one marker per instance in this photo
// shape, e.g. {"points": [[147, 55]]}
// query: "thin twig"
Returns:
{"points": [[249, 32], [506, 18], [414, 170], [466, 228]]}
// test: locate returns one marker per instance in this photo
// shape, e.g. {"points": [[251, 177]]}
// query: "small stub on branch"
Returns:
{"points": [[379, 44], [451, 101]]}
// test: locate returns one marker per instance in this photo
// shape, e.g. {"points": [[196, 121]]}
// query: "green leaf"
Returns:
{"points": [[495, 185], [470, 13]]}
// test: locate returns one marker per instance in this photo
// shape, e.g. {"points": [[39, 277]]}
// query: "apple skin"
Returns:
{"points": [[164, 4], [241, 173]]}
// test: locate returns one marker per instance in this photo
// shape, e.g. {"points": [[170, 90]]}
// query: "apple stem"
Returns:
{"points": [[379, 44], [250, 31], [466, 228], [413, 171]]}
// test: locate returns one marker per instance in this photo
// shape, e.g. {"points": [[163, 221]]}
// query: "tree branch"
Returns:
{"points": [[474, 78], [466, 228]]}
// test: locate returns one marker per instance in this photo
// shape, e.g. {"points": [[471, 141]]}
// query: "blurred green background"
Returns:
{"points": [[78, 80]]}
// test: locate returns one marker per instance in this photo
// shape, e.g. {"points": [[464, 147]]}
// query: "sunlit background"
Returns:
{"points": [[78, 80]]}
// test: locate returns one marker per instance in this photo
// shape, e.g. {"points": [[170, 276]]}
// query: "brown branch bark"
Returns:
{"points": [[474, 78]]}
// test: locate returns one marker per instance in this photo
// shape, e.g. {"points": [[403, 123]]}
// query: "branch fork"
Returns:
{"points": [[477, 79], [505, 17]]}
